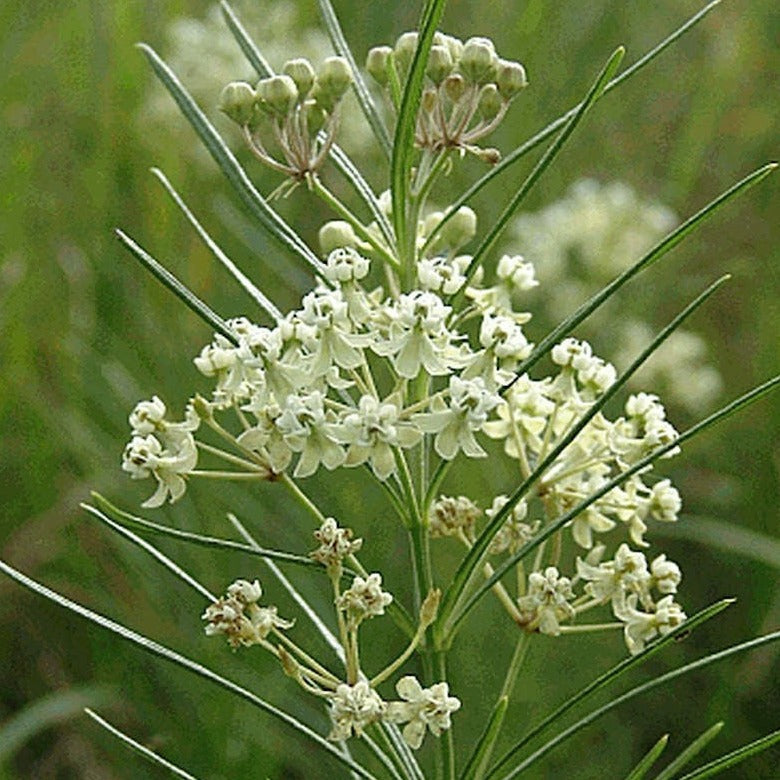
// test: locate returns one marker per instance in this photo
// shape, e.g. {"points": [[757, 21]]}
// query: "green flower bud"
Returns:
{"points": [[237, 101], [337, 234], [376, 63], [440, 64], [315, 117], [302, 73], [510, 78], [460, 229], [334, 77], [490, 102], [428, 100], [405, 48], [490, 155], [453, 45], [454, 87], [430, 607], [479, 61], [278, 93]]}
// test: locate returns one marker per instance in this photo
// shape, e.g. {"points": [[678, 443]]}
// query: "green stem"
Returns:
{"points": [[317, 187], [302, 498]]}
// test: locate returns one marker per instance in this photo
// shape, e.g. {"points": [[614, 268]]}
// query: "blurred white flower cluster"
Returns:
{"points": [[580, 243]]}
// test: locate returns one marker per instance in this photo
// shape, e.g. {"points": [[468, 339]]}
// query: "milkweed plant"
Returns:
{"points": [[412, 350]]}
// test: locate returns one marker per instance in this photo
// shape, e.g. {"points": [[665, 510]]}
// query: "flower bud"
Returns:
{"points": [[453, 45], [460, 229], [479, 60], [439, 64], [428, 100], [334, 77], [405, 48], [376, 63], [289, 665], [315, 117], [490, 155], [430, 607], [510, 78], [336, 235], [302, 73], [431, 222], [454, 87], [237, 101], [278, 93], [490, 102]]}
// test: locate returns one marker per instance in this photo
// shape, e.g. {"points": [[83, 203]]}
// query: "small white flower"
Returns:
{"points": [[641, 627], [346, 265], [364, 599], [514, 533], [335, 543], [147, 416], [422, 708], [611, 580], [546, 602], [666, 575], [665, 501], [449, 515], [353, 708], [454, 426]]}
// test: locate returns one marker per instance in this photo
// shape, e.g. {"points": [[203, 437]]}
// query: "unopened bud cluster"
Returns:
{"points": [[297, 108], [467, 90]]}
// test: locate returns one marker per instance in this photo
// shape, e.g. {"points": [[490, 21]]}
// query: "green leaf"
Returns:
{"points": [[147, 526], [647, 761], [43, 713], [637, 691], [728, 537], [472, 560], [137, 747], [503, 220], [475, 766], [228, 164], [153, 551], [748, 398], [551, 128], [735, 757], [676, 634], [257, 295], [655, 254], [670, 771], [403, 141], [243, 39], [345, 166], [161, 651], [359, 85], [180, 290]]}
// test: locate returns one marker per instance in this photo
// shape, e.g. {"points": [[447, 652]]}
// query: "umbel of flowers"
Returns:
{"points": [[398, 374]]}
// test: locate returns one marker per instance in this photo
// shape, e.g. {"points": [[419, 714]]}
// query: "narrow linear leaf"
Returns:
{"points": [[403, 142], [180, 290], [155, 648], [501, 223], [734, 757], [728, 537], [472, 560], [256, 294], [670, 771], [47, 711], [551, 128], [656, 682], [153, 551], [748, 398], [359, 85], [340, 158], [244, 40], [655, 254], [646, 762], [147, 526], [137, 747], [675, 635], [227, 162], [475, 765]]}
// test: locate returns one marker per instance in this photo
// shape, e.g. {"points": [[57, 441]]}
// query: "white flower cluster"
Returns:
{"points": [[240, 618]]}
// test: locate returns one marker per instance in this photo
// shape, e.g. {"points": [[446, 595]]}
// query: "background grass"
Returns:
{"points": [[85, 334]]}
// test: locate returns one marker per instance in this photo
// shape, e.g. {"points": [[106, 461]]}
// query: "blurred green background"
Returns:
{"points": [[86, 333]]}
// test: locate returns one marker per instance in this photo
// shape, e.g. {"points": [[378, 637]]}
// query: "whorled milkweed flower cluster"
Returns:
{"points": [[371, 374]]}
